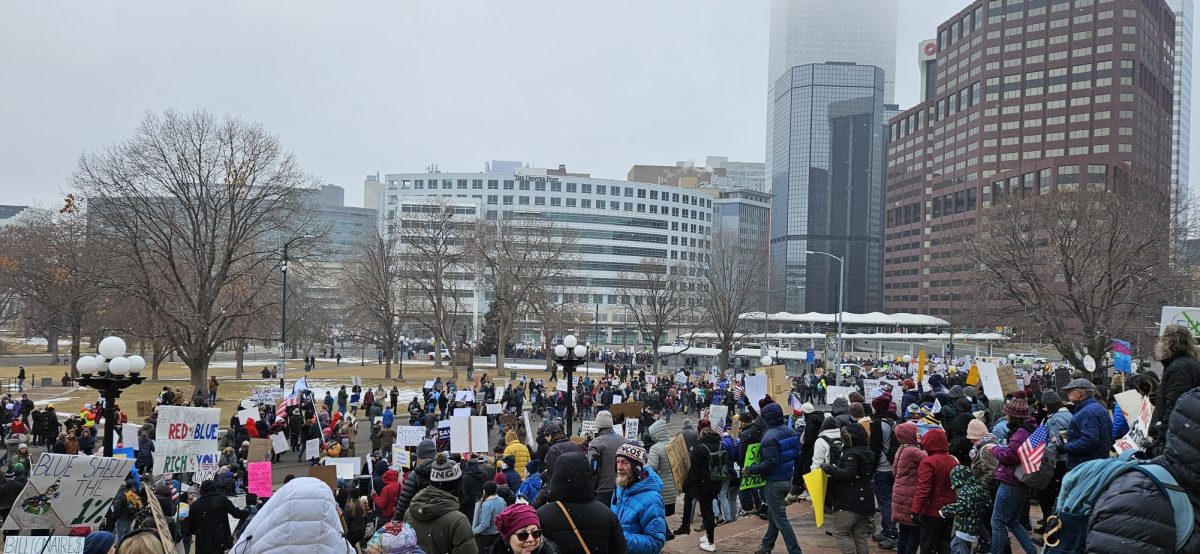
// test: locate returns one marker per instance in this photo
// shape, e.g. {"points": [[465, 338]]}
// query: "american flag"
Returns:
{"points": [[1031, 451], [738, 391], [282, 409]]}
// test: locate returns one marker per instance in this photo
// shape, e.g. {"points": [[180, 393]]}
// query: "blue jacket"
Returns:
{"points": [[1119, 426], [485, 516], [643, 518], [1090, 435], [780, 447], [530, 487], [388, 417]]}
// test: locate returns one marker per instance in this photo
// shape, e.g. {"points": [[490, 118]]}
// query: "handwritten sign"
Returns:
{"points": [[631, 429], [279, 443], [753, 456], [312, 448], [260, 450], [834, 392], [468, 434], [129, 434], [494, 409], [1139, 429], [185, 438], [265, 395], [67, 491], [17, 544], [259, 478], [400, 457], [407, 435], [588, 427]]}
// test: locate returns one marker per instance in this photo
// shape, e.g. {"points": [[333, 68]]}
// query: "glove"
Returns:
{"points": [[916, 518]]}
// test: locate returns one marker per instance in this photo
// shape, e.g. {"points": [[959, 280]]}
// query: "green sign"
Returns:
{"points": [[752, 457]]}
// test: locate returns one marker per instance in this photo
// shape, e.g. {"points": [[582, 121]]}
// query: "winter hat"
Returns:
{"points": [[444, 471], [1050, 397], [909, 384], [1017, 408], [510, 436], [808, 408], [1082, 384], [969, 391], [551, 429], [604, 420], [426, 450], [633, 452], [765, 400], [11, 473], [687, 423], [510, 461], [956, 392], [98, 542], [881, 402], [704, 424], [533, 466], [913, 410], [514, 518], [500, 478], [976, 429]]}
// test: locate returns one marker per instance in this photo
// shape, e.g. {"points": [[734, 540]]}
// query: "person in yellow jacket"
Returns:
{"points": [[517, 450]]}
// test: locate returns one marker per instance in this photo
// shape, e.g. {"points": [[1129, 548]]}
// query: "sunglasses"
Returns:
{"points": [[524, 535]]}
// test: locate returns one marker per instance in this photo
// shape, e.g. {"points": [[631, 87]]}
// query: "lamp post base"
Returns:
{"points": [[110, 388]]}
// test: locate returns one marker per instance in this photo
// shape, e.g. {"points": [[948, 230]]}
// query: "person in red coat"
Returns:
{"points": [[908, 461], [934, 492], [385, 499]]}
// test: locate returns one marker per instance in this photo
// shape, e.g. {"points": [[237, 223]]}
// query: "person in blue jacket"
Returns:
{"points": [[778, 457], [638, 501], [388, 417], [1089, 436]]}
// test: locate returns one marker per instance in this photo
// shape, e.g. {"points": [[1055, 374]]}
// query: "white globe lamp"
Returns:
{"points": [[86, 365], [580, 351], [766, 360], [560, 351], [907, 358], [111, 347], [119, 365], [136, 364], [570, 341]]}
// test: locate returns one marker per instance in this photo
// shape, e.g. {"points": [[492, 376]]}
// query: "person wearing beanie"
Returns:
{"points": [[98, 542], [532, 485], [417, 479], [883, 445], [559, 445], [807, 408], [934, 492], [520, 533], [779, 454], [976, 429], [434, 511], [519, 452], [486, 509], [1089, 436], [699, 485], [1012, 496], [637, 501], [603, 453], [508, 467], [571, 507]]}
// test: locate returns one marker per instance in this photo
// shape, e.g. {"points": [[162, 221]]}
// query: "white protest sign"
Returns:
{"points": [[717, 414], [129, 434], [356, 381], [464, 396], [204, 472], [494, 409], [279, 443], [561, 385], [239, 502], [619, 429], [1130, 402], [265, 395], [631, 429], [17, 544], [185, 438], [529, 431], [588, 428], [246, 415], [617, 399], [681, 378], [833, 393], [346, 467], [462, 412], [468, 434], [400, 459], [429, 384], [68, 491], [408, 435], [1139, 428], [312, 448], [756, 388], [989, 380]]}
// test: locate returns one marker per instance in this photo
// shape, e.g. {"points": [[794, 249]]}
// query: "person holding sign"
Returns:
{"points": [[779, 455]]}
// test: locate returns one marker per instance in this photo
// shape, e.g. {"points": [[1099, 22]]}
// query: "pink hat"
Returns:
{"points": [[514, 518]]}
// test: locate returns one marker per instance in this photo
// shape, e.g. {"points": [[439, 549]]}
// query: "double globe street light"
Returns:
{"points": [[570, 354], [110, 372]]}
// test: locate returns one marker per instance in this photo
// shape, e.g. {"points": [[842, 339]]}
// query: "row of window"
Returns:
{"points": [[557, 186]]}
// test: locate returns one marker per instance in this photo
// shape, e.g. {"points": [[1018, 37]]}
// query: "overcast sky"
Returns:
{"points": [[392, 86]]}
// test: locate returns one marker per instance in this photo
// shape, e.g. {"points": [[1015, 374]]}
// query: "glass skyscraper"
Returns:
{"points": [[827, 187], [1182, 109]]}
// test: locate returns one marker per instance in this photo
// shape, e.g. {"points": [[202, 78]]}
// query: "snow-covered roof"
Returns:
{"points": [[873, 318]]}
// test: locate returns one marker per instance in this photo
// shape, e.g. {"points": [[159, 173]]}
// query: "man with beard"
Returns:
{"points": [[638, 501]]}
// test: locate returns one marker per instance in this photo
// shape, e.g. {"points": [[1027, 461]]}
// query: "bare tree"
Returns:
{"points": [[657, 294], [1080, 268], [435, 262], [556, 318], [199, 206], [373, 287], [519, 257], [730, 276]]}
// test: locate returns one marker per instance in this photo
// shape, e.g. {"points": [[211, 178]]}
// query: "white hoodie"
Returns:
{"points": [[821, 448], [300, 518]]}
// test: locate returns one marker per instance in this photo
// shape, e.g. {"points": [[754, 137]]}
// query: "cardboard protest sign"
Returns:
{"points": [[17, 544], [1008, 380], [753, 456], [677, 454], [468, 434], [185, 438], [346, 467], [626, 410], [279, 443], [1139, 429], [408, 435], [328, 474], [832, 393], [160, 523], [260, 450], [509, 420], [145, 408], [67, 491], [777, 382], [258, 477], [312, 448]]}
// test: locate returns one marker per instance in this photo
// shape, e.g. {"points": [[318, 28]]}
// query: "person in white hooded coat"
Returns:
{"points": [[300, 518]]}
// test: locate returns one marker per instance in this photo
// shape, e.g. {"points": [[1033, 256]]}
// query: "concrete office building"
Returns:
{"points": [[344, 226], [617, 224], [1029, 97], [817, 31], [827, 188], [739, 175], [1182, 111]]}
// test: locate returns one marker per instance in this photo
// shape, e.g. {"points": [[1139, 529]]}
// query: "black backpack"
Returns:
{"points": [[718, 465], [835, 448]]}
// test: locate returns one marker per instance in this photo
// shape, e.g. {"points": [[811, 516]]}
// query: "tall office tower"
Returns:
{"points": [[1029, 97], [1181, 122], [818, 31], [827, 187]]}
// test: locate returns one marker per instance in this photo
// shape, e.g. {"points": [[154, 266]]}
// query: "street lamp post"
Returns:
{"points": [[841, 299], [110, 372], [283, 267], [403, 352], [570, 355]]}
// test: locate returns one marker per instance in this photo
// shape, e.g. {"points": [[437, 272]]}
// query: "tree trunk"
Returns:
{"points": [[156, 359], [240, 358], [199, 372], [387, 364], [437, 353], [654, 354], [453, 366], [725, 348], [75, 340]]}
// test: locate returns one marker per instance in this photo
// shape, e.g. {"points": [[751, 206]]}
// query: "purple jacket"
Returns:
{"points": [[1007, 456]]}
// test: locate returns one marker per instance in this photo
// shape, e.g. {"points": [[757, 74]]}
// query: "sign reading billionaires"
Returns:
{"points": [[185, 439]]}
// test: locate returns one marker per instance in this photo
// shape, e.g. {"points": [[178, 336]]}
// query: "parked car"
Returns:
{"points": [[445, 355]]}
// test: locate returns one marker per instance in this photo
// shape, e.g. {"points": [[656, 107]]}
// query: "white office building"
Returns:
{"points": [[1182, 112]]}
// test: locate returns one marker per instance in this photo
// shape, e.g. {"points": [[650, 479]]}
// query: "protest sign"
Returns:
{"points": [[677, 454], [346, 467], [124, 453], [529, 440], [816, 481], [464, 396], [399, 457], [833, 393], [626, 410], [356, 381], [756, 388], [753, 456], [443, 434], [129, 435], [185, 438], [1139, 428], [247, 414], [681, 378], [588, 427], [67, 491], [428, 384], [461, 412], [778, 384], [1008, 381], [17, 544], [265, 395], [312, 448], [328, 474], [631, 429], [407, 435], [279, 443], [717, 414], [259, 478], [204, 472], [468, 434], [617, 399], [989, 379], [260, 450], [494, 409], [561, 385], [160, 523], [239, 502], [1130, 402], [145, 408]]}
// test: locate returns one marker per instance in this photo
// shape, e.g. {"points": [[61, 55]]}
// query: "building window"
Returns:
{"points": [[493, 184], [477, 184], [570, 202], [555, 186], [555, 201], [508, 184], [492, 198], [586, 188], [523, 185], [571, 187], [508, 200], [539, 200], [523, 200]]}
